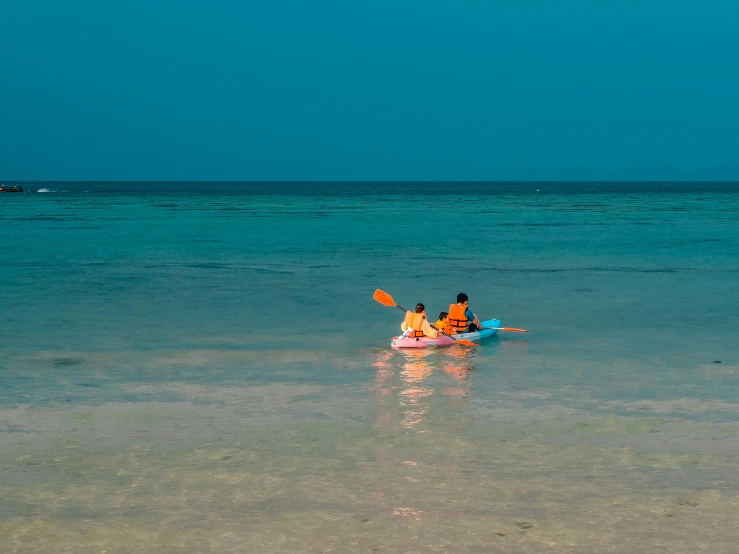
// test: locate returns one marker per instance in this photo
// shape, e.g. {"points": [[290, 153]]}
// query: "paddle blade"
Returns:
{"points": [[383, 298], [514, 330], [465, 342]]}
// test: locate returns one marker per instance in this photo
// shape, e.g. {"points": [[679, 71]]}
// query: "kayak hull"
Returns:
{"points": [[442, 340]]}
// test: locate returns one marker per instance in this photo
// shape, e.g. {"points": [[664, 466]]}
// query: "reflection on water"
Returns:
{"points": [[419, 391], [408, 512], [410, 385], [459, 362], [415, 369]]}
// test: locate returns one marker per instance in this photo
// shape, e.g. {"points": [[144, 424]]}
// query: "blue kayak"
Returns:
{"points": [[478, 335]]}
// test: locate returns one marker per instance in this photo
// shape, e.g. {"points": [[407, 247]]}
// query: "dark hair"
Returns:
{"points": [[421, 306], [442, 315], [462, 297]]}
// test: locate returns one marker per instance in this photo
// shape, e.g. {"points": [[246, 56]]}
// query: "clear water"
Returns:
{"points": [[201, 367]]}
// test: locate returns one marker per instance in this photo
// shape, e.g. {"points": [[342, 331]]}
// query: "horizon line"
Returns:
{"points": [[386, 181]]}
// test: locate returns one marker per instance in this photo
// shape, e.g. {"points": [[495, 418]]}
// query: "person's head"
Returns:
{"points": [[420, 308], [442, 316], [462, 298]]}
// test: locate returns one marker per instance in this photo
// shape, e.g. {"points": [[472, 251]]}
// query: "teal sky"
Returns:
{"points": [[311, 90]]}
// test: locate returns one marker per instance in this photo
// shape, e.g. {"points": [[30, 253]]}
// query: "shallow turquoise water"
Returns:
{"points": [[202, 366]]}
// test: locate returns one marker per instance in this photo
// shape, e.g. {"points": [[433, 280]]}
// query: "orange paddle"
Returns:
{"points": [[386, 300]]}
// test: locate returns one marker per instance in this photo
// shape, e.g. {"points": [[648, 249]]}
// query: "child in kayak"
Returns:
{"points": [[442, 321], [461, 319], [415, 324]]}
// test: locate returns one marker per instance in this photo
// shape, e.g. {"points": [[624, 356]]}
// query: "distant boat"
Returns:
{"points": [[11, 188]]}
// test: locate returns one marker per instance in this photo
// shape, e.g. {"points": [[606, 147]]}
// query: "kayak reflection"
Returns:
{"points": [[458, 362], [415, 370], [417, 389]]}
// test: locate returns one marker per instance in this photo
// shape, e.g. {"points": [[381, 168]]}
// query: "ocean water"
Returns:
{"points": [[202, 368]]}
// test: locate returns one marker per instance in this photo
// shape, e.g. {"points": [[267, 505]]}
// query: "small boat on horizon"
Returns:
{"points": [[11, 188]]}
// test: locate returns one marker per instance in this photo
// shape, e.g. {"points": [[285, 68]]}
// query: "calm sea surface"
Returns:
{"points": [[202, 368]]}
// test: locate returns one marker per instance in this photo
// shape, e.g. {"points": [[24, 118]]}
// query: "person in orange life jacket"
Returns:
{"points": [[415, 324], [442, 321], [460, 318]]}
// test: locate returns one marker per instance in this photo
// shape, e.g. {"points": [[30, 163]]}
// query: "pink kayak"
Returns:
{"points": [[442, 340]]}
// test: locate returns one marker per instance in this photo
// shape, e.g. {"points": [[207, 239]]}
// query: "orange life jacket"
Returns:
{"points": [[456, 320], [416, 323]]}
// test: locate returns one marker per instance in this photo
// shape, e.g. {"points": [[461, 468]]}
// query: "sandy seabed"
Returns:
{"points": [[408, 464]]}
